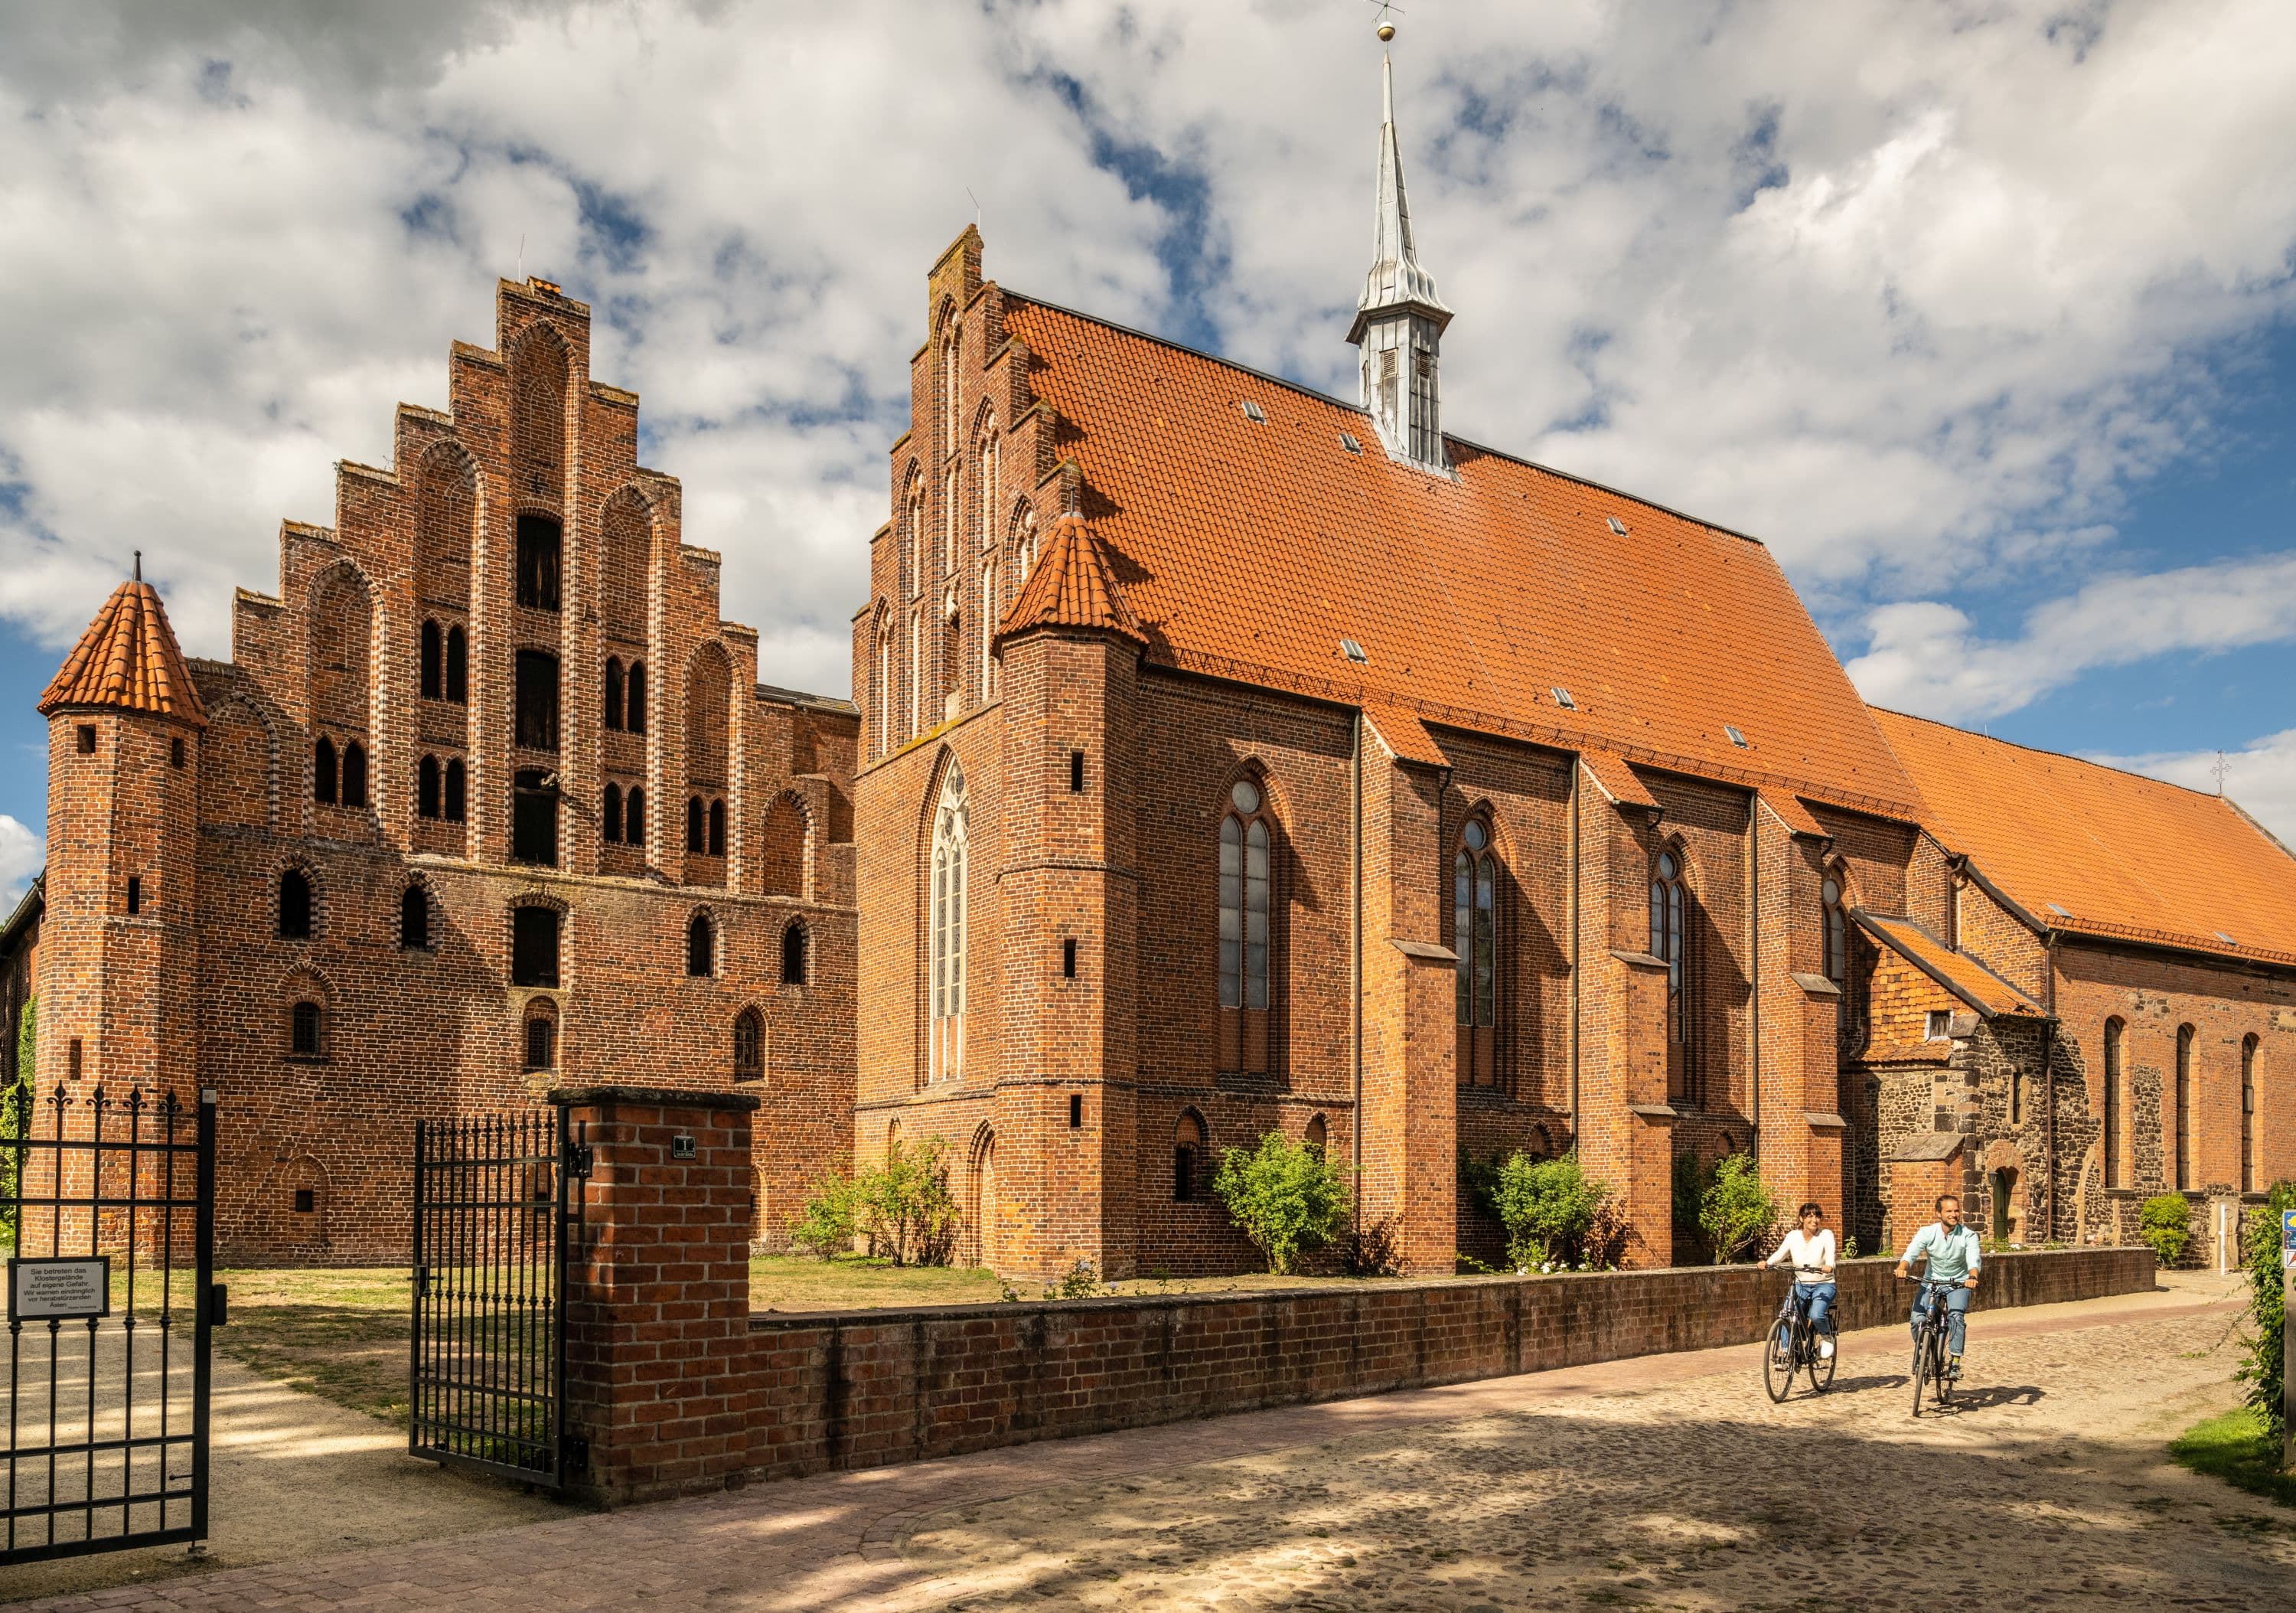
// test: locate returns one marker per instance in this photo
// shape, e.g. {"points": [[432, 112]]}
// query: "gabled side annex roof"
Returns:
{"points": [[2092, 851], [1249, 549], [1958, 973]]}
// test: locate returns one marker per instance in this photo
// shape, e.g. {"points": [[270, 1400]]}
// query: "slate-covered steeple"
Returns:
{"points": [[1400, 318]]}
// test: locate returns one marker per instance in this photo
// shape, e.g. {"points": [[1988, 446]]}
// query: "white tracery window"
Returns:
{"points": [[948, 929], [1024, 546], [885, 691], [917, 669], [948, 397], [988, 618], [988, 457], [951, 518]]}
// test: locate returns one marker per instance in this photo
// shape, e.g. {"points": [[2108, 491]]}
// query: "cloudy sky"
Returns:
{"points": [[1978, 312]]}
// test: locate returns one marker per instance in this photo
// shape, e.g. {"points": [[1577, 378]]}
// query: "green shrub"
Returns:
{"points": [[2265, 1369], [2165, 1224], [1736, 1213], [16, 1118], [1548, 1206], [1286, 1197], [900, 1209]]}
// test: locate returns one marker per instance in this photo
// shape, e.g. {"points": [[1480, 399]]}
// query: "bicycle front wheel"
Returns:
{"points": [[1821, 1364], [1920, 1370], [1778, 1360]]}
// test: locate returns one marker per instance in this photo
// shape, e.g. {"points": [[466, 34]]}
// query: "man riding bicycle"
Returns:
{"points": [[1811, 1250], [1952, 1252]]}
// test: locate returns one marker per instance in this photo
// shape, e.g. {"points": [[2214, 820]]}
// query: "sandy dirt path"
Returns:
{"points": [[292, 1477]]}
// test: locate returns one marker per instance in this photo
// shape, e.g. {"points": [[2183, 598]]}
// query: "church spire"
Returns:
{"points": [[1400, 318]]}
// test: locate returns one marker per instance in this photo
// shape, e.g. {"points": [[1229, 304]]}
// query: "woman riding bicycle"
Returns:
{"points": [[1811, 1250]]}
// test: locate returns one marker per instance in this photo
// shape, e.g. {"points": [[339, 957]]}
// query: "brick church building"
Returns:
{"points": [[487, 797], [1224, 758], [1239, 758]]}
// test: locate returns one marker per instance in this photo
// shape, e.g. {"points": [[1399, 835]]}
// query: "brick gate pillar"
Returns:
{"points": [[660, 1372]]}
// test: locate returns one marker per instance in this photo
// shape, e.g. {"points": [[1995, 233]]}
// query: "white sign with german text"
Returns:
{"points": [[59, 1290]]}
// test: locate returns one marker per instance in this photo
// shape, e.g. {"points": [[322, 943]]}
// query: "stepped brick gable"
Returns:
{"points": [[487, 799]]}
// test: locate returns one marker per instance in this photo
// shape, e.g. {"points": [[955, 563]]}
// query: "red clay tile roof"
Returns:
{"points": [[1405, 735], [1966, 978], [1249, 549], [2094, 851], [1616, 780], [1072, 585], [127, 657]]}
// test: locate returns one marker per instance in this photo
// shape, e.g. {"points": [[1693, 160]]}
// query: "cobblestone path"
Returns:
{"points": [[1667, 1481]]}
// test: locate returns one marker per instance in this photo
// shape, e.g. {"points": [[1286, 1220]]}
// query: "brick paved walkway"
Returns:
{"points": [[1667, 1481]]}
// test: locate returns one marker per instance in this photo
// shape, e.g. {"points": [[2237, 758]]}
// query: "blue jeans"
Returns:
{"points": [[1819, 1298], [1956, 1311]]}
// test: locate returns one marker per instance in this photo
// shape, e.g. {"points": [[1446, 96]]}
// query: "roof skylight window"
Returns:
{"points": [[1348, 442], [2227, 940], [1354, 652], [1253, 412], [1618, 526], [1563, 698], [1736, 737], [2059, 912]]}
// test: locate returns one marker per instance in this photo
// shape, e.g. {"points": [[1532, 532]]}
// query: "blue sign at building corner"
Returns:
{"points": [[2288, 1229]]}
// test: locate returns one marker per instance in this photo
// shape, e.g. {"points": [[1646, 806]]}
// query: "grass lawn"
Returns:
{"points": [[2236, 1448], [339, 1332], [342, 1332]]}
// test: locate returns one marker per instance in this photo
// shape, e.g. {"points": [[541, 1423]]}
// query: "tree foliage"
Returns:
{"points": [[1285, 1196], [900, 1209], [1735, 1212], [2266, 1370], [1549, 1207], [16, 1117], [2165, 1224]]}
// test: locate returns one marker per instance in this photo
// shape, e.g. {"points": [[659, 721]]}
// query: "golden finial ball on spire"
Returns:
{"points": [[1386, 32]]}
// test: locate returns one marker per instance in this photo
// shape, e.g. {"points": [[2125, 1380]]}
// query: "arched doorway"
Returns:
{"points": [[980, 1212], [2003, 1184]]}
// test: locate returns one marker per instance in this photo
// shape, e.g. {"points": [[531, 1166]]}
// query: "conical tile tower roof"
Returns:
{"points": [[1072, 586], [128, 657]]}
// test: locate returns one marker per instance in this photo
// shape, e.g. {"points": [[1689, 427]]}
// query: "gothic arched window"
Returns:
{"points": [[1668, 916], [718, 828], [1246, 861], [793, 955], [322, 772], [2248, 1114], [696, 837], [634, 824], [303, 1031], [2186, 1151], [295, 905], [1837, 933], [609, 814], [354, 774], [613, 694], [951, 828], [1474, 931], [434, 660], [415, 918], [459, 665], [634, 698], [749, 1045], [2115, 1100], [701, 946], [426, 787], [989, 614], [1187, 1157], [453, 791]]}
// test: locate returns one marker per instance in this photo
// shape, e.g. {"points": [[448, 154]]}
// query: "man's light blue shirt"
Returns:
{"points": [[1953, 1255]]}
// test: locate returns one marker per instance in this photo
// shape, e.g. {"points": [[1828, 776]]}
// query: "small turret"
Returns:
{"points": [[1400, 318]]}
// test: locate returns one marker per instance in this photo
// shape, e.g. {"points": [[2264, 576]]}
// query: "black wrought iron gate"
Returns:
{"points": [[487, 1370], [107, 1205]]}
